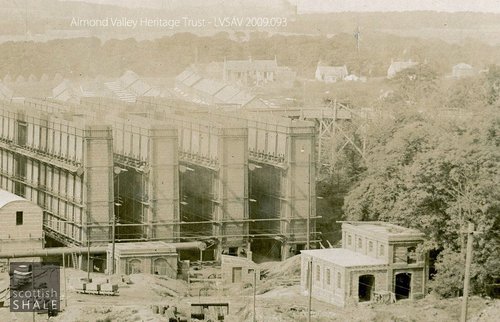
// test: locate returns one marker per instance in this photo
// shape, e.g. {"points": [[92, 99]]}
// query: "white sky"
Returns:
{"points": [[330, 5], [399, 5]]}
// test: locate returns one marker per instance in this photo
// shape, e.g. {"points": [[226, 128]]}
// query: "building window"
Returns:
{"points": [[327, 276], [360, 243], [411, 256], [382, 250], [19, 218], [339, 280], [349, 240], [370, 246], [318, 272]]}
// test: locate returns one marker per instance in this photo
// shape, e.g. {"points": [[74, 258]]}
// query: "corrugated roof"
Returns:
{"points": [[191, 80], [227, 93], [184, 75], [5, 92], [7, 197], [344, 257], [128, 78], [209, 86], [140, 87]]}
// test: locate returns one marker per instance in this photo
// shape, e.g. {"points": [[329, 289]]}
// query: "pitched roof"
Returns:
{"points": [[209, 86], [5, 92], [398, 66], [462, 66], [332, 70], [7, 197], [250, 65]]}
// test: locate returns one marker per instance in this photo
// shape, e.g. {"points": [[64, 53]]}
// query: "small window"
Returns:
{"points": [[318, 272], [19, 218], [349, 240], [339, 280], [370, 246], [360, 243], [411, 256], [382, 250], [327, 276]]}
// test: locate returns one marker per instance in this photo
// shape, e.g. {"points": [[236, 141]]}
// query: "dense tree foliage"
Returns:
{"points": [[436, 172]]}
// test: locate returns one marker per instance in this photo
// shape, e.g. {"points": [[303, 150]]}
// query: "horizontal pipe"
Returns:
{"points": [[84, 250], [54, 251]]}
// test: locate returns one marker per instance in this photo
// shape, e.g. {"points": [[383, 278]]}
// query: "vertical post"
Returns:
{"points": [[33, 286], [114, 224], [64, 277], [88, 253], [308, 224], [254, 294], [468, 261], [310, 269]]}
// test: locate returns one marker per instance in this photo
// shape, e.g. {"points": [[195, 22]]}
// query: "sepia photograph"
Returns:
{"points": [[250, 160]]}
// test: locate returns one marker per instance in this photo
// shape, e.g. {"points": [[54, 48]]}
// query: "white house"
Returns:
{"points": [[462, 70], [397, 66], [331, 74]]}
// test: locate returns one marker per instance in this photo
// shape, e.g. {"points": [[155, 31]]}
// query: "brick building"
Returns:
{"points": [[20, 224], [377, 261]]}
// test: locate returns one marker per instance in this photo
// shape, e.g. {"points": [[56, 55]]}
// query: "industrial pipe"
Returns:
{"points": [[93, 250]]}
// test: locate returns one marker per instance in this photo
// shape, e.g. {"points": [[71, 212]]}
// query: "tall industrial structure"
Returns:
{"points": [[163, 170]]}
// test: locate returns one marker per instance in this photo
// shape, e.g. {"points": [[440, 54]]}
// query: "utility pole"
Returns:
{"points": [[64, 277], [310, 270], [308, 228], [254, 294], [468, 261]]}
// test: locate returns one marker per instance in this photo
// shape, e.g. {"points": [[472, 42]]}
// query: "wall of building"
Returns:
{"points": [[329, 281], [29, 235]]}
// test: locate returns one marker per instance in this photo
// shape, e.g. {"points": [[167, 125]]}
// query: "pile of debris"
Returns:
{"points": [[275, 274]]}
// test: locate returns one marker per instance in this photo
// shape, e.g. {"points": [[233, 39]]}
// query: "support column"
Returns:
{"points": [[98, 184], [163, 185], [232, 190], [300, 188]]}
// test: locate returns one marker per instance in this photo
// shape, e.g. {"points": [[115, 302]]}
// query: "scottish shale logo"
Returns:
{"points": [[34, 287]]}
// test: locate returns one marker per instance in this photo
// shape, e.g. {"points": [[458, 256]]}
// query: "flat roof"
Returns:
{"points": [[344, 257], [7, 197], [384, 228]]}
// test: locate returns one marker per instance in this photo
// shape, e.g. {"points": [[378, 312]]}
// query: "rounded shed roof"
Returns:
{"points": [[7, 197]]}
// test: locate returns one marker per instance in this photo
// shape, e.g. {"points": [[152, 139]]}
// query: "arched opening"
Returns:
{"points": [[365, 287], [402, 286], [160, 266], [134, 266]]}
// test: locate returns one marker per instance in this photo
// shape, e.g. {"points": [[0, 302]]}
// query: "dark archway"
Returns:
{"points": [[402, 286], [365, 287], [134, 266]]}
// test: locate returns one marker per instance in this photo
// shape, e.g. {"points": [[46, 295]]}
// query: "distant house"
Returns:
{"points": [[331, 74], [397, 66], [377, 262], [20, 224], [462, 70], [250, 72]]}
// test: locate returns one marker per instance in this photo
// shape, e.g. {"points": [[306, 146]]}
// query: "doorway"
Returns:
{"points": [[237, 274], [402, 286], [365, 287]]}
